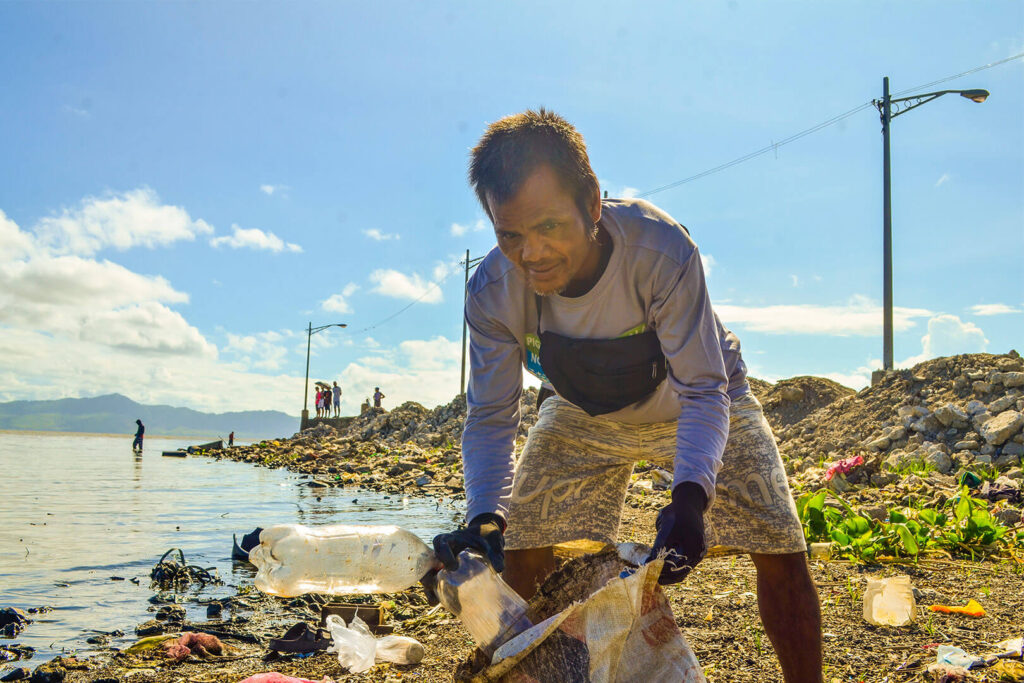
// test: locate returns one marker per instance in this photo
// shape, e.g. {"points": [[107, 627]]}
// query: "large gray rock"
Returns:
{"points": [[940, 461], [1002, 427], [1009, 379], [1000, 404], [951, 416]]}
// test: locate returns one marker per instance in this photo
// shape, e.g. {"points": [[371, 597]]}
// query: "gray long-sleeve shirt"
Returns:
{"points": [[653, 280]]}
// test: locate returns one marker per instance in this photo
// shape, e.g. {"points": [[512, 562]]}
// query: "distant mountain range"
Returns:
{"points": [[116, 414]]}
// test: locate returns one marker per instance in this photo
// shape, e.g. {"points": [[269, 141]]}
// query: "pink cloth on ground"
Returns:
{"points": [[275, 677], [843, 466]]}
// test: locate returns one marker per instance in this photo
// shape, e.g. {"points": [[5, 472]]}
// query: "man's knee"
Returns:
{"points": [[782, 567]]}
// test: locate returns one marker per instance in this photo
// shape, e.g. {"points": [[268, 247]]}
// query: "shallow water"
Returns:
{"points": [[77, 510]]}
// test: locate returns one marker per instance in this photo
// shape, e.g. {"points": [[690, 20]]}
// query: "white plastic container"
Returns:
{"points": [[889, 602], [490, 610], [293, 559]]}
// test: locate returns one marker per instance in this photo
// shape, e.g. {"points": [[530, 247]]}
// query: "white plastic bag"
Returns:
{"points": [[357, 648], [355, 645]]}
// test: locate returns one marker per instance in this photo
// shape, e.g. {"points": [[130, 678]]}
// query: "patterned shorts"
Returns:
{"points": [[571, 478]]}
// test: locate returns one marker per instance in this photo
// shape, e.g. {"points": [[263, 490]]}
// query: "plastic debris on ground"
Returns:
{"points": [[198, 644], [955, 656], [843, 466], [945, 673], [358, 649], [889, 602], [971, 609], [275, 677]]}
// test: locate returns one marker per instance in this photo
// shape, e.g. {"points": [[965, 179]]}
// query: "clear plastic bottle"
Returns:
{"points": [[490, 610], [339, 559]]}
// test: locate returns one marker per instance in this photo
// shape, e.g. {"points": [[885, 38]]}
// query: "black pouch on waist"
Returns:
{"points": [[602, 375]]}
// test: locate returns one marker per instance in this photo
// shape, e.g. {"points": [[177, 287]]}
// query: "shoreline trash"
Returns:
{"points": [[889, 602], [972, 609], [293, 559], [490, 610]]}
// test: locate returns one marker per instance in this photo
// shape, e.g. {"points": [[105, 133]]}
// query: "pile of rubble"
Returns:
{"points": [[917, 433], [409, 450]]}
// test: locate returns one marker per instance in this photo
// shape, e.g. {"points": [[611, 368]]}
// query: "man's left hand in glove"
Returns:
{"points": [[680, 530]]}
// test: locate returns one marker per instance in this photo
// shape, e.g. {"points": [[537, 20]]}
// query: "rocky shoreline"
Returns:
{"points": [[884, 454]]}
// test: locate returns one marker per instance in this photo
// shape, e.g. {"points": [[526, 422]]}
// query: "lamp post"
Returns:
{"points": [[310, 331], [888, 112]]}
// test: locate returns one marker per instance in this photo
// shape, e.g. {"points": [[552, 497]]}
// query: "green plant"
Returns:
{"points": [[851, 590], [963, 528]]}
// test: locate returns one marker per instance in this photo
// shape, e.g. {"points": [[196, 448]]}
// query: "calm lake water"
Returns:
{"points": [[76, 510]]}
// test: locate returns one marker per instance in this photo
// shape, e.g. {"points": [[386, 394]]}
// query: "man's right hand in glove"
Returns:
{"points": [[484, 534]]}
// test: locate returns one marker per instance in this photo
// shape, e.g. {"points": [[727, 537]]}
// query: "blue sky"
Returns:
{"points": [[187, 185]]}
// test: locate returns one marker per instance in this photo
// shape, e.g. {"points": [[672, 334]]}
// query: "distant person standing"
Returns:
{"points": [[319, 401], [137, 444], [377, 396], [231, 439], [337, 399]]}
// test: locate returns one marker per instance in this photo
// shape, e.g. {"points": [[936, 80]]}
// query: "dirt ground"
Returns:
{"points": [[939, 411], [716, 608]]}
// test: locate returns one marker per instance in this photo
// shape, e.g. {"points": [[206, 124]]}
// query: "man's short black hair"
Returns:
{"points": [[513, 147]]}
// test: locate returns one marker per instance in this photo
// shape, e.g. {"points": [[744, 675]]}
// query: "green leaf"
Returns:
{"points": [[840, 538], [908, 539], [897, 517], [928, 516], [963, 508]]}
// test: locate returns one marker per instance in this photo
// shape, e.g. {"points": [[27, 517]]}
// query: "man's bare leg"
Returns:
{"points": [[788, 602], [527, 569]]}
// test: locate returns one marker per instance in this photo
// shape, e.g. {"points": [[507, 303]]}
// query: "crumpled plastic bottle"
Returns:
{"points": [[490, 610]]}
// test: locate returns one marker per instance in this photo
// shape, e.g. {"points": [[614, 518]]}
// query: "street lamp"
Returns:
{"points": [[886, 110], [310, 331]]}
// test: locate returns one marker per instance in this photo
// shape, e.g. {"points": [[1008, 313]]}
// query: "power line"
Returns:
{"points": [[815, 129], [412, 303]]}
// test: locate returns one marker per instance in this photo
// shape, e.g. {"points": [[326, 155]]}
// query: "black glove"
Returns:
{"points": [[680, 530], [484, 534]]}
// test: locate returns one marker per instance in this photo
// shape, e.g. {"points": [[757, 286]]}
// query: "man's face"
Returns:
{"points": [[542, 232]]}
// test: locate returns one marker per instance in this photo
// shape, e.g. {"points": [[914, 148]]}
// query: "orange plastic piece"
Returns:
{"points": [[971, 609]]}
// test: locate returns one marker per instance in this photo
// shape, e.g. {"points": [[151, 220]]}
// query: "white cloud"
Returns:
{"points": [[263, 350], [458, 229], [254, 238], [944, 178], [629, 192], [121, 221], [948, 336], [76, 326], [270, 190], [375, 234], [858, 317], [795, 280], [338, 303], [401, 286], [425, 371], [709, 262], [988, 309], [13, 242]]}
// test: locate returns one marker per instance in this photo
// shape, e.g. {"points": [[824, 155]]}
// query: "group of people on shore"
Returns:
{"points": [[327, 398]]}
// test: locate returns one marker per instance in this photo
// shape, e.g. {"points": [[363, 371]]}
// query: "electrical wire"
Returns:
{"points": [[412, 303], [739, 160], [815, 129]]}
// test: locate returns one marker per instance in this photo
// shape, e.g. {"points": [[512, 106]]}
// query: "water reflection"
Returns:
{"points": [[78, 512]]}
